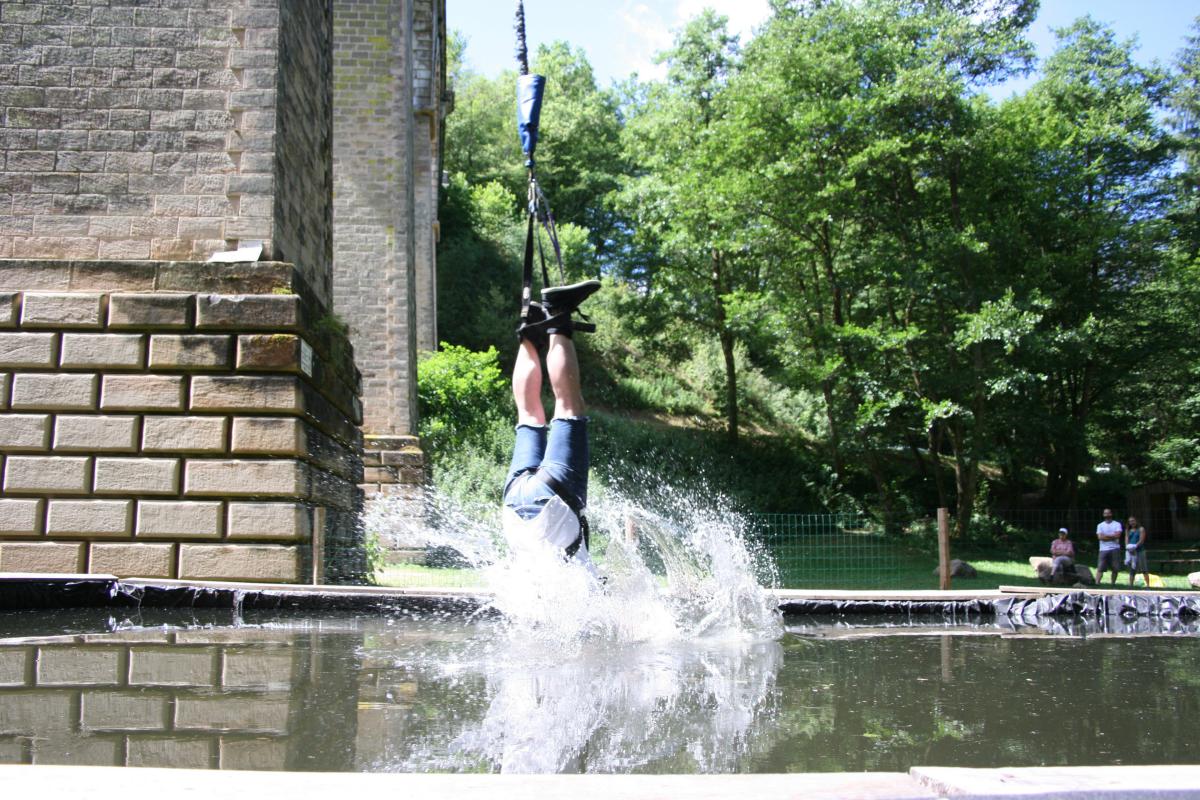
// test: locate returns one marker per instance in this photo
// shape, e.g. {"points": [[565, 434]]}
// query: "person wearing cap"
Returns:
{"points": [[1062, 550], [1109, 532]]}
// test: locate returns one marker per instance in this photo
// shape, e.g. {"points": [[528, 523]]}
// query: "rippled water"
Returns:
{"points": [[677, 663], [373, 693]]}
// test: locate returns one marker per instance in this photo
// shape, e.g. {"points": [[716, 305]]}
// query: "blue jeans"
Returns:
{"points": [[562, 453]]}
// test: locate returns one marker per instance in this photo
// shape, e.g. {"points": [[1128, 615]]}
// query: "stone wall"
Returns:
{"points": [[374, 243], [303, 213], [176, 420], [134, 134], [189, 698], [431, 103], [139, 132], [388, 134]]}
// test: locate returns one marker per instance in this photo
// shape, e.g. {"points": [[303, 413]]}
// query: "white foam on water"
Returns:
{"points": [[673, 656], [609, 708], [680, 570]]}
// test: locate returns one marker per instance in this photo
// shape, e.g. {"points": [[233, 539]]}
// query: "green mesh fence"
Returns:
{"points": [[852, 551], [825, 551], [832, 551]]}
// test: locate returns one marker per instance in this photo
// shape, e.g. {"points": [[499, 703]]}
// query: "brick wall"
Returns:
{"points": [[178, 420], [374, 246], [137, 132], [387, 171], [193, 699]]}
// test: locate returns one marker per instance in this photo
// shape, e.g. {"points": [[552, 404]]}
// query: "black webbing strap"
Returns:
{"points": [[539, 212], [527, 275], [573, 503]]}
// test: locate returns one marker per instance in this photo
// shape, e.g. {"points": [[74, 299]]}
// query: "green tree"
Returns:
{"points": [[861, 131], [1097, 183], [677, 199]]}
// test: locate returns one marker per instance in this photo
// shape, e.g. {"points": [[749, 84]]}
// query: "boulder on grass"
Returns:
{"points": [[1194, 580], [1044, 567], [959, 569]]}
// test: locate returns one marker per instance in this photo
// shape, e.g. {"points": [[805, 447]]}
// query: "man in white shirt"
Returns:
{"points": [[546, 490], [1109, 533]]}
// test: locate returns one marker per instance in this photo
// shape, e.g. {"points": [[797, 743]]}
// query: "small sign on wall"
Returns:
{"points": [[306, 358]]}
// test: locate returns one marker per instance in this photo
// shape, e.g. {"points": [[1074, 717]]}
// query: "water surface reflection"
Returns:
{"points": [[355, 693]]}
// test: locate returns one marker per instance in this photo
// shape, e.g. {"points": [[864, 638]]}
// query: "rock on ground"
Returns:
{"points": [[959, 569]]}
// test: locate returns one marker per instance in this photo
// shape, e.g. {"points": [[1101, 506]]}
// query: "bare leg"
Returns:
{"points": [[527, 385], [563, 367]]}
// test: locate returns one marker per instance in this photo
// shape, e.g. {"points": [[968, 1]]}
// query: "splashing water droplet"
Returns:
{"points": [[680, 569], [675, 652]]}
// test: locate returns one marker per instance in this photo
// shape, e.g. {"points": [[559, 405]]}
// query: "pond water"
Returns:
{"points": [[678, 662], [375, 693]]}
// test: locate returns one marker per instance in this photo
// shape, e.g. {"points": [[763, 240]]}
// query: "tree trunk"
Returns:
{"points": [[835, 443], [726, 337], [935, 455], [883, 489], [966, 481], [731, 398]]}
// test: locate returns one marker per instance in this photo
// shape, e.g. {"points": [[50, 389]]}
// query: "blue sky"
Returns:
{"points": [[622, 36]]}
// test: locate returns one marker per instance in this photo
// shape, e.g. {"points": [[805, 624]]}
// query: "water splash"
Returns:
{"points": [[673, 657], [676, 567]]}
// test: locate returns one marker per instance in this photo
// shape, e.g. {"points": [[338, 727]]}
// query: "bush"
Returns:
{"points": [[460, 394]]}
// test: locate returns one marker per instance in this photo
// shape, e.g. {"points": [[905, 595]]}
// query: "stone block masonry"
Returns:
{"points": [[389, 106], [387, 142], [176, 420], [135, 130], [139, 137], [155, 699]]}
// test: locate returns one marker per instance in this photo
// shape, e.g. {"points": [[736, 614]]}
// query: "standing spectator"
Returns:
{"points": [[1135, 550], [1062, 550], [1109, 533]]}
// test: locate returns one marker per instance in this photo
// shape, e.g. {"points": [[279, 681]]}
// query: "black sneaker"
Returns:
{"points": [[560, 300]]}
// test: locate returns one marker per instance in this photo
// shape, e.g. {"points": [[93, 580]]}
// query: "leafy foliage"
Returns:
{"points": [[902, 293]]}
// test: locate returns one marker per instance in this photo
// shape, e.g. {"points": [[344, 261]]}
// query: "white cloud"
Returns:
{"points": [[646, 34], [646, 31], [744, 15]]}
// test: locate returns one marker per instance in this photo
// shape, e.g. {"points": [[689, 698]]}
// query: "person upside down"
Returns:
{"points": [[546, 490]]}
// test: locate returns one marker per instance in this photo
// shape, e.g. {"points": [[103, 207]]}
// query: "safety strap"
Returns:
{"points": [[573, 502], [538, 212]]}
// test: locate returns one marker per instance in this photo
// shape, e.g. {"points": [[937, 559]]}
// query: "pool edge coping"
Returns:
{"points": [[918, 783]]}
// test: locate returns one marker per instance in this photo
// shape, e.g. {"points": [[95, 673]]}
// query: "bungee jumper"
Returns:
{"points": [[546, 490]]}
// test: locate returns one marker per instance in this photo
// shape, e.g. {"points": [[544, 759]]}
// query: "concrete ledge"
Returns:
{"points": [[1039, 591], [50, 783], [1063, 783], [20, 590], [922, 783]]}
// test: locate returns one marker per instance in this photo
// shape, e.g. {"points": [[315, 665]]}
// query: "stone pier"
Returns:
{"points": [[175, 420], [164, 416], [390, 103]]}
